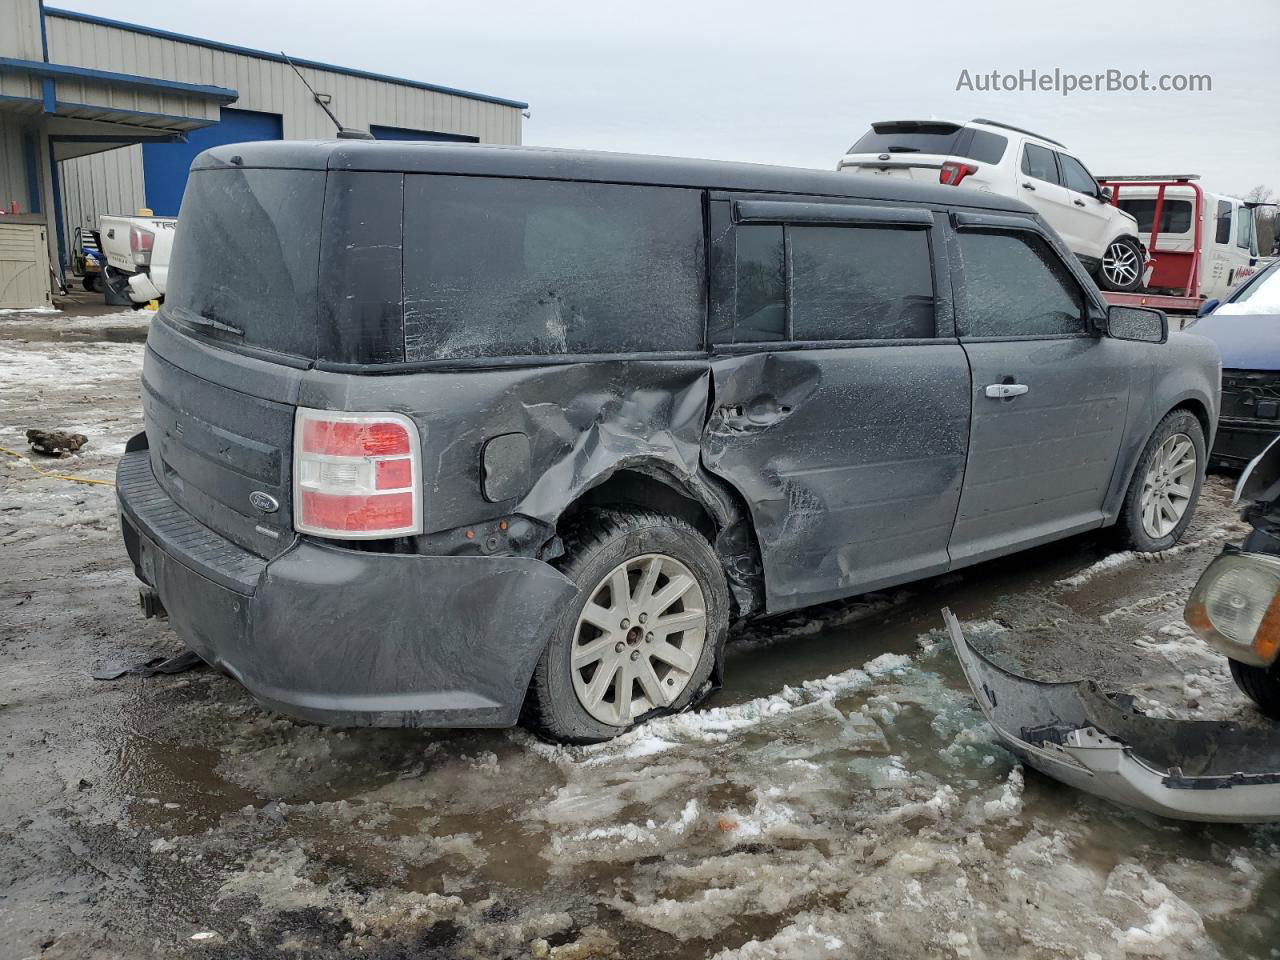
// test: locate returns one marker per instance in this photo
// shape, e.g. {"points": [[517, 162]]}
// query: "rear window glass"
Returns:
{"points": [[244, 262], [498, 267], [1175, 217], [860, 283], [947, 139]]}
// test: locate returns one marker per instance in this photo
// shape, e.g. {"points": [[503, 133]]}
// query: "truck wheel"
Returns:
{"points": [[90, 283], [641, 634], [1166, 483], [1121, 268], [1259, 684]]}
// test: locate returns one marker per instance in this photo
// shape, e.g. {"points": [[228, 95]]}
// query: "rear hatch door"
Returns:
{"points": [[228, 349], [917, 149]]}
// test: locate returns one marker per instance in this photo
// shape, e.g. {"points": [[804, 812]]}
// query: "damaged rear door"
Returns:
{"points": [[841, 395]]}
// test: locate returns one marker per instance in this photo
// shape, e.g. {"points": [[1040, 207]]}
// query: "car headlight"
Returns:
{"points": [[1236, 608]]}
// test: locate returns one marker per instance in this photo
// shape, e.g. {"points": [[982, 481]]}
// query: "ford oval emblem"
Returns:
{"points": [[264, 501]]}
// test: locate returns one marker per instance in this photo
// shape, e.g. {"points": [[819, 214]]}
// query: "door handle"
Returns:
{"points": [[1006, 391], [1078, 203], [1027, 186]]}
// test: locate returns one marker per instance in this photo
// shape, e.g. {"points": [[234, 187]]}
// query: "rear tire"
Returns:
{"points": [[1122, 266], [90, 283], [1164, 490], [595, 682], [1259, 684]]}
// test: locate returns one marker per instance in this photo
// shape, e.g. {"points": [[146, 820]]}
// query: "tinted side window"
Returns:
{"points": [[986, 147], [1015, 286], [761, 285], [1038, 162], [1076, 177], [860, 283], [1223, 234], [502, 267]]}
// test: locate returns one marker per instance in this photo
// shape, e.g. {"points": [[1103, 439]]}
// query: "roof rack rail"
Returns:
{"points": [[1030, 133], [1172, 177]]}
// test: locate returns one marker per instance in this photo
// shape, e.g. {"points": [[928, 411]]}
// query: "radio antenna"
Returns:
{"points": [[344, 133]]}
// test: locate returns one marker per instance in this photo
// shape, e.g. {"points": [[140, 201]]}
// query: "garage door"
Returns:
{"points": [[165, 165]]}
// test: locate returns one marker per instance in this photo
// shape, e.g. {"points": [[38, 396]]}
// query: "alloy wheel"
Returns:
{"points": [[638, 639], [1167, 487], [1120, 264]]}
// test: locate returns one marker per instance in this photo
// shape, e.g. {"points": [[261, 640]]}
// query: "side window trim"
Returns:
{"points": [[981, 221], [830, 214]]}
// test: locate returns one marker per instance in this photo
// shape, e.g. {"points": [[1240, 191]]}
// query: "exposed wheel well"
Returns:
{"points": [[726, 524], [648, 490], [1196, 408]]}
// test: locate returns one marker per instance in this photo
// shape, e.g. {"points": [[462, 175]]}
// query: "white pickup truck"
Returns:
{"points": [[137, 251]]}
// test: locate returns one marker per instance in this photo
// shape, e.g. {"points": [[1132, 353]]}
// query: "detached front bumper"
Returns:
{"points": [[1183, 769], [342, 636]]}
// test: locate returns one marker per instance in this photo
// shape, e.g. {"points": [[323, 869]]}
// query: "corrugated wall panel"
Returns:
{"points": [[13, 167], [100, 184], [22, 42]]}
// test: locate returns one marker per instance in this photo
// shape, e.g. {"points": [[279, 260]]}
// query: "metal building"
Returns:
{"points": [[103, 117]]}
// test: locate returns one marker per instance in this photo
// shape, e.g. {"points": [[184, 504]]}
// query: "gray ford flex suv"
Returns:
{"points": [[451, 435]]}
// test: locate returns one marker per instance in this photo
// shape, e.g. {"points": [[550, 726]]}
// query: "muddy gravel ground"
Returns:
{"points": [[841, 797]]}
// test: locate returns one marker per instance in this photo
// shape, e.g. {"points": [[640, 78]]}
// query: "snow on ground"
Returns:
{"points": [[861, 807]]}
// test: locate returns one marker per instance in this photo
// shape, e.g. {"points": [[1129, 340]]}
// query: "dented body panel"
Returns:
{"points": [[1214, 771], [851, 460]]}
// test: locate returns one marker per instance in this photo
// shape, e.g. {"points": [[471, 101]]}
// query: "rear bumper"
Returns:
{"points": [[343, 636], [1239, 441]]}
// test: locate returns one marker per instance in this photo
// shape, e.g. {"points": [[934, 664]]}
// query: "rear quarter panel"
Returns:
{"points": [[584, 421]]}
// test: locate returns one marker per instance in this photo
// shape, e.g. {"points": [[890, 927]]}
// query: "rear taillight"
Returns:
{"points": [[952, 173], [140, 244], [356, 476]]}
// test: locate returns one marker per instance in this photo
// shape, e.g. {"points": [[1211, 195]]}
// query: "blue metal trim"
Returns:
{"points": [[168, 117], [44, 35], [56, 213], [48, 97], [30, 158], [110, 78], [5, 98], [162, 136], [277, 58]]}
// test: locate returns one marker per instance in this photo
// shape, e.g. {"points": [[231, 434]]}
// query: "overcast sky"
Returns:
{"points": [[797, 82]]}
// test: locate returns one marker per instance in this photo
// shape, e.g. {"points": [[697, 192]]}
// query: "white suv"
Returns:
{"points": [[986, 155]]}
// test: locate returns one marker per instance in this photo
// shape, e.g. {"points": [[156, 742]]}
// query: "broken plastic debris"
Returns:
{"points": [[1100, 743], [114, 669]]}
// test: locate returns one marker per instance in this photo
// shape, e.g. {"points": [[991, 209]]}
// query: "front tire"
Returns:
{"points": [[1122, 267], [641, 634], [1259, 684], [1165, 488]]}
